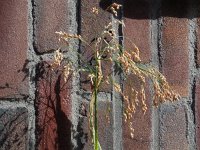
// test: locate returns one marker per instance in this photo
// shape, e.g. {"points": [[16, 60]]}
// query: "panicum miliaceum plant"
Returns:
{"points": [[127, 61]]}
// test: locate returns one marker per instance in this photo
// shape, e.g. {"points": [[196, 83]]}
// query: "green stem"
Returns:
{"points": [[94, 102], [96, 86], [95, 117]]}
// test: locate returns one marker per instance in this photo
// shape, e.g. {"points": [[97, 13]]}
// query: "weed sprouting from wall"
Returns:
{"points": [[106, 49]]}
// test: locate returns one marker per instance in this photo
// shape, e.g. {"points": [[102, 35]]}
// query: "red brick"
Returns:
{"points": [[173, 128], [141, 123], [175, 53], [53, 109], [91, 27], [50, 16], [13, 48], [14, 128], [104, 125], [137, 27], [197, 112]]}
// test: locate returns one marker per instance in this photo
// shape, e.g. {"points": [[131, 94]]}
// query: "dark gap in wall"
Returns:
{"points": [[175, 8], [159, 44], [120, 17], [78, 19], [155, 8], [104, 4], [193, 99], [33, 25], [136, 9], [121, 34]]}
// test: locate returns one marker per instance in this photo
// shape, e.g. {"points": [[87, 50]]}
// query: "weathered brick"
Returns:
{"points": [[53, 109], [137, 27], [13, 48], [141, 123], [104, 125], [50, 16], [197, 112], [91, 27], [175, 53], [173, 128], [13, 128]]}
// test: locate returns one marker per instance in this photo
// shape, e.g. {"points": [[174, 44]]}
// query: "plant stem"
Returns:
{"points": [[95, 101], [95, 117]]}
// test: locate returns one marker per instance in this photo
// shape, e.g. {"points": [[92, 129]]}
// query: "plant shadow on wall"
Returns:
{"points": [[13, 128], [52, 109], [16, 91]]}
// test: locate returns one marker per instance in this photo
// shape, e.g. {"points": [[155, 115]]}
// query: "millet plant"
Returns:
{"points": [[125, 61]]}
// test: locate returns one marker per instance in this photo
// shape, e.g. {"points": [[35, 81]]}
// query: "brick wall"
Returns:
{"points": [[38, 110]]}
